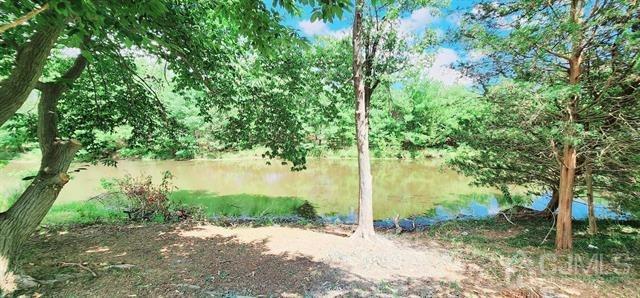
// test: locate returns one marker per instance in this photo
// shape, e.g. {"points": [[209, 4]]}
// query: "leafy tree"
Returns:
{"points": [[195, 38], [328, 107], [554, 46], [379, 50], [421, 114], [17, 132], [508, 142]]}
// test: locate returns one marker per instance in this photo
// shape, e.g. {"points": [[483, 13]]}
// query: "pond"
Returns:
{"points": [[401, 187]]}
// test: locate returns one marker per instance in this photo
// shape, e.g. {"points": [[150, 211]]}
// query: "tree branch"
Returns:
{"points": [[23, 19], [28, 66]]}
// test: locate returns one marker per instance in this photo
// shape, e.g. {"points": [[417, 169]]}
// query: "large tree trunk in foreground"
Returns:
{"points": [[30, 60], [593, 226], [25, 215], [365, 202]]}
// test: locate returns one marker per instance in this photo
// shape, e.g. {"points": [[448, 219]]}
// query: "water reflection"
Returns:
{"points": [[401, 188]]}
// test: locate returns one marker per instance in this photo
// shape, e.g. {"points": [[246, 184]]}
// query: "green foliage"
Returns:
{"points": [[329, 120], [422, 115], [237, 205], [506, 144], [17, 135], [200, 42], [534, 109], [200, 80]]}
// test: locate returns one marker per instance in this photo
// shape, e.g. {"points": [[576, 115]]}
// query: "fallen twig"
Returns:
{"points": [[65, 264], [507, 218], [550, 229]]}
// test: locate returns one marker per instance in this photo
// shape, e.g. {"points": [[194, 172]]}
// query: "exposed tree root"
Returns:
{"points": [[523, 213]]}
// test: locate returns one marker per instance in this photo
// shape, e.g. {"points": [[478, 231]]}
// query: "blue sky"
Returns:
{"points": [[440, 20]]}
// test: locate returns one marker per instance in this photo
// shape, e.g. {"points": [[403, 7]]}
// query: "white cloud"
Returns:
{"points": [[441, 69], [418, 20], [314, 28], [445, 57], [320, 28]]}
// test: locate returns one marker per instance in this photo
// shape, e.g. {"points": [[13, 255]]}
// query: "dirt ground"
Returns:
{"points": [[162, 260]]}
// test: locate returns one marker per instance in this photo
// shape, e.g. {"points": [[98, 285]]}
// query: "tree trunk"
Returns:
{"points": [[593, 226], [28, 66], [553, 203], [23, 218], [365, 202], [564, 234], [25, 215]]}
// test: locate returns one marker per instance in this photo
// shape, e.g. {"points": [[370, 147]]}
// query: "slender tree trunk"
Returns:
{"points": [[25, 215], [564, 232], [365, 202], [553, 203], [29, 64], [593, 226]]}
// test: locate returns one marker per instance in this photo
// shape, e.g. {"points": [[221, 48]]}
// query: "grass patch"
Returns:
{"points": [[110, 211], [86, 212], [237, 205], [6, 202]]}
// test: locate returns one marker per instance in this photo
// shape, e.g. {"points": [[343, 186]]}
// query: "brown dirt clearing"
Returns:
{"points": [[377, 260], [209, 261], [178, 260]]}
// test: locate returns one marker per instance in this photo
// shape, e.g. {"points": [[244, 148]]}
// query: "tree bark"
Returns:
{"points": [[564, 232], [553, 203], [365, 202], [25, 215], [29, 64], [593, 226]]}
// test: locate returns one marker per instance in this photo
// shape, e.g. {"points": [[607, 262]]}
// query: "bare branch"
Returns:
{"points": [[23, 19]]}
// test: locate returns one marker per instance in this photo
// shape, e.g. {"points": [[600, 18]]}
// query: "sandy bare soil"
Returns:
{"points": [[376, 261], [178, 260], [207, 261]]}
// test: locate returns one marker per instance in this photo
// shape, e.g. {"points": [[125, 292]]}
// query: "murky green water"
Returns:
{"points": [[400, 187]]}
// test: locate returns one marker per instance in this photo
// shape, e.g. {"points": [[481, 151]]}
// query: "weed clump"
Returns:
{"points": [[149, 202], [307, 211]]}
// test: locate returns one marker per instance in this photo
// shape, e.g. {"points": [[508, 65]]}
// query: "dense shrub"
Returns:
{"points": [[146, 200]]}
